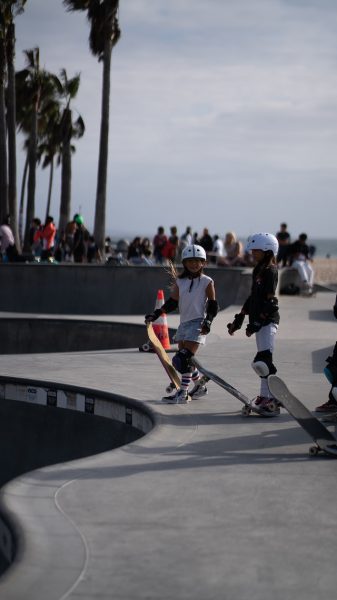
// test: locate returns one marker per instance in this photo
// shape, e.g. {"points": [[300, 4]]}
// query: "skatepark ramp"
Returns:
{"points": [[45, 423]]}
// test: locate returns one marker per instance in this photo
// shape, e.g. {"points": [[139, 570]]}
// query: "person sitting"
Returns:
{"points": [[299, 259], [234, 256]]}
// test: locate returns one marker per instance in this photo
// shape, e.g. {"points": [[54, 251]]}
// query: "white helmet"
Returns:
{"points": [[262, 241], [193, 251]]}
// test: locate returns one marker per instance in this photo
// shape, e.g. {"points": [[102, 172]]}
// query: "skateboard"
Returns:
{"points": [[324, 440], [164, 359], [248, 407]]}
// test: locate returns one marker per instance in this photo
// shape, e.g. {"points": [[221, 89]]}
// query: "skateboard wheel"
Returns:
{"points": [[313, 450], [169, 388], [145, 347], [272, 406], [245, 411]]}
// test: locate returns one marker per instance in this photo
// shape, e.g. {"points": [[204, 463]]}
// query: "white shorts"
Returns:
{"points": [[190, 331]]}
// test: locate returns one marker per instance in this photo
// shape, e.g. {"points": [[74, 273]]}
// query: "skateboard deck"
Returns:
{"points": [[324, 440], [248, 406], [164, 359]]}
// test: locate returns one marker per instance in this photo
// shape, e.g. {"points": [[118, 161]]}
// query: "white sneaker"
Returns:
{"points": [[179, 397], [198, 390]]}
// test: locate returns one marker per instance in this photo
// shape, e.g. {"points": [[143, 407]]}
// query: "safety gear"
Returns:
{"points": [[153, 316], [262, 241], [263, 364], [193, 251], [269, 307], [167, 307], [182, 361], [236, 324], [206, 325], [253, 328], [79, 220], [212, 308]]}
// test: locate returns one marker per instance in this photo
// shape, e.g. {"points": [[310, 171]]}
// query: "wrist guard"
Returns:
{"points": [[253, 327], [206, 324], [237, 322]]}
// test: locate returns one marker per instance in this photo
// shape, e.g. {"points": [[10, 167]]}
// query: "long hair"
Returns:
{"points": [[268, 259], [175, 274]]}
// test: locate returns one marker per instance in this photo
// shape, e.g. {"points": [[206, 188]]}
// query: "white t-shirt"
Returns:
{"points": [[192, 297]]}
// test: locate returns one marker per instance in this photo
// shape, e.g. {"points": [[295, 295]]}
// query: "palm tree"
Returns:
{"points": [[13, 9], [36, 92], [3, 146], [104, 35], [9, 9], [68, 129]]}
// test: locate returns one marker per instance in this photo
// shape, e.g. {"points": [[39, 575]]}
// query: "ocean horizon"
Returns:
{"points": [[325, 247]]}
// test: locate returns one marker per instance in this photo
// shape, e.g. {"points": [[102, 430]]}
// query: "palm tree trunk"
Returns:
{"points": [[50, 187], [22, 197], [100, 211], [11, 124], [65, 203], [31, 180], [3, 145]]}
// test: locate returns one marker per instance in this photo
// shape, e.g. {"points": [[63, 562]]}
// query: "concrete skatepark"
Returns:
{"points": [[207, 504]]}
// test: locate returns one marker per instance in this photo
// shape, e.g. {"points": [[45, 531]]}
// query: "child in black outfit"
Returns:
{"points": [[262, 308]]}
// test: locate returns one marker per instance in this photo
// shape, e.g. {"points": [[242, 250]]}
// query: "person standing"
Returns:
{"points": [[263, 312], [283, 238], [194, 293], [159, 243]]}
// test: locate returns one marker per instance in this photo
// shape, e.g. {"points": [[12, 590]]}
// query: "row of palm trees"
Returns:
{"points": [[38, 103]]}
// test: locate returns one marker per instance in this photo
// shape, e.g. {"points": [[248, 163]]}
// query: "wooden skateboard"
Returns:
{"points": [[324, 440], [248, 407], [164, 359]]}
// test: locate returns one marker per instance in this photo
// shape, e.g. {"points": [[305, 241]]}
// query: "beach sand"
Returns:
{"points": [[325, 270]]}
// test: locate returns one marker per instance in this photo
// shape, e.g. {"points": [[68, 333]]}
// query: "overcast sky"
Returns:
{"points": [[223, 113]]}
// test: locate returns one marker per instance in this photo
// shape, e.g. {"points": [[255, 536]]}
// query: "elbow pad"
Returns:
{"points": [[270, 306], [169, 305], [212, 308]]}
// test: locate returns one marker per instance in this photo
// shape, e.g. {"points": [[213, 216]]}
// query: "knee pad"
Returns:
{"points": [[182, 361], [263, 364]]}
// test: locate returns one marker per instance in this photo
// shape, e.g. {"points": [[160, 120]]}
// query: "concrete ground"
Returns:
{"points": [[209, 505]]}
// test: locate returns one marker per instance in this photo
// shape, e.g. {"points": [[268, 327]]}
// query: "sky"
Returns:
{"points": [[223, 114]]}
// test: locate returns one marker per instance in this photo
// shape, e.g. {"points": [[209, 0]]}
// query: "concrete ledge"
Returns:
{"points": [[21, 335], [99, 289]]}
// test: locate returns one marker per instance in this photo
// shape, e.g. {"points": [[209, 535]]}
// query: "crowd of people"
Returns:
{"points": [[77, 244]]}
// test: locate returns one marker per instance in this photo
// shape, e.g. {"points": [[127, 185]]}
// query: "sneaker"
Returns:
{"points": [[198, 390], [327, 407], [267, 404], [179, 397], [259, 400]]}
